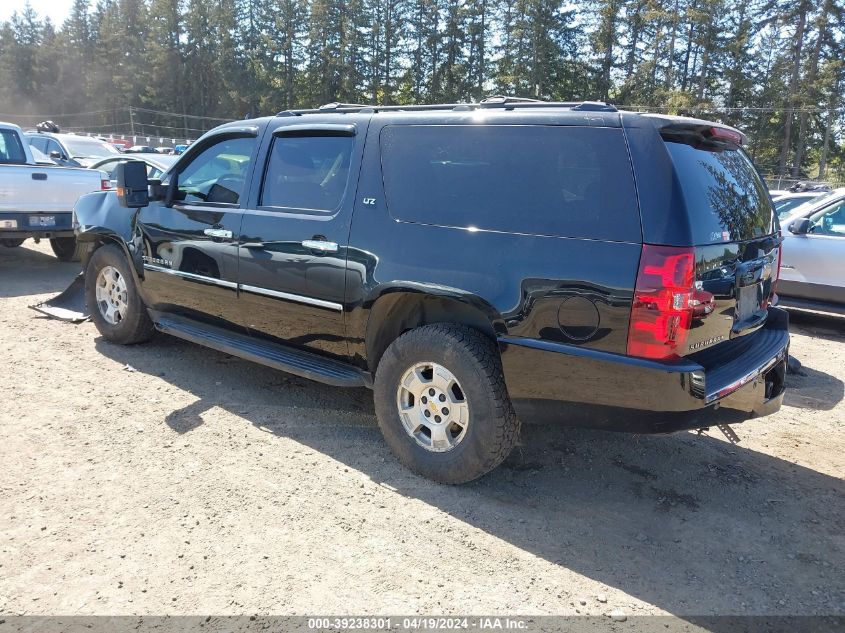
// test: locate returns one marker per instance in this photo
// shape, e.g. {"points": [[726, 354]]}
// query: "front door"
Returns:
{"points": [[190, 247], [812, 263], [293, 241]]}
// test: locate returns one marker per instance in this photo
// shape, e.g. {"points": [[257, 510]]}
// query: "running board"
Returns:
{"points": [[287, 359]]}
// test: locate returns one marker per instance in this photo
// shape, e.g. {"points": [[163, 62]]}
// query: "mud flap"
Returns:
{"points": [[67, 306]]}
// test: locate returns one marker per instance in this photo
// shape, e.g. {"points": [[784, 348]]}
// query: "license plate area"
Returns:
{"points": [[749, 302], [8, 224], [42, 220]]}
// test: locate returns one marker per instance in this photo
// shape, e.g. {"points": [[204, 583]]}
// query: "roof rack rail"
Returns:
{"points": [[508, 103], [502, 99], [336, 105]]}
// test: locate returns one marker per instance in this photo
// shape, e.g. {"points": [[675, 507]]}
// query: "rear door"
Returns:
{"points": [[293, 243], [190, 244]]}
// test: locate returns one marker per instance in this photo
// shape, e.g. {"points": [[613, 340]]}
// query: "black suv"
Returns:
{"points": [[473, 264]]}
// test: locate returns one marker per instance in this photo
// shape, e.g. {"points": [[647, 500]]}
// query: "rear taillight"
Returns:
{"points": [[105, 184], [662, 308]]}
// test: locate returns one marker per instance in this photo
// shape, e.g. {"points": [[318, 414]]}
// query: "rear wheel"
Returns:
{"points": [[442, 403], [11, 243], [113, 300], [66, 248]]}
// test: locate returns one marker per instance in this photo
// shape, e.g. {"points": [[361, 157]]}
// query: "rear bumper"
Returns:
{"points": [[561, 383], [24, 225]]}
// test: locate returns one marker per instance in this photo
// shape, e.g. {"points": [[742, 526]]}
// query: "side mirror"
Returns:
{"points": [[801, 226], [56, 155], [132, 185]]}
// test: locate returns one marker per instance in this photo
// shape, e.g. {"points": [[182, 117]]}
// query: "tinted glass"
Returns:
{"points": [[11, 150], [308, 172], [725, 197], [218, 173], [542, 180]]}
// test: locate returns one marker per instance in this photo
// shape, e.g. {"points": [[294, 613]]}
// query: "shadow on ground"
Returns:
{"points": [[25, 272], [628, 511], [817, 324]]}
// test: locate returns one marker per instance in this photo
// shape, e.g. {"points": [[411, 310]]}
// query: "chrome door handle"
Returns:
{"points": [[320, 245], [218, 233]]}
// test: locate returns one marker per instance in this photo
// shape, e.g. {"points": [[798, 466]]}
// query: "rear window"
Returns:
{"points": [[724, 195], [541, 180]]}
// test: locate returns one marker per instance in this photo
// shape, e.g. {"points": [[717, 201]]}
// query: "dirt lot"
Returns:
{"points": [[170, 479]]}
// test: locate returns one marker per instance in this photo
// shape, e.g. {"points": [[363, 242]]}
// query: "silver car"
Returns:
{"points": [[812, 274], [787, 203]]}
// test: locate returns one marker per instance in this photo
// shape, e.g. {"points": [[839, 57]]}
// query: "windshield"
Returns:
{"points": [[785, 207], [807, 205], [85, 148]]}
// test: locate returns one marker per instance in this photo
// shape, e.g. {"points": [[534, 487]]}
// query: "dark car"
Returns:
{"points": [[475, 265], [141, 149]]}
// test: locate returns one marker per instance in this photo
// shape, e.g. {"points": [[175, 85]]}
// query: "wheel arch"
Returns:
{"points": [[100, 220], [403, 308]]}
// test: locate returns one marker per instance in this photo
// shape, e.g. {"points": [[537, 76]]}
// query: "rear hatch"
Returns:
{"points": [[710, 250], [733, 229]]}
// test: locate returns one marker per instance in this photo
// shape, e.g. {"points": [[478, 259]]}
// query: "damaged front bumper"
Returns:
{"points": [[67, 306]]}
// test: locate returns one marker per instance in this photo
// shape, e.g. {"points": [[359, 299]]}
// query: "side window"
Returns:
{"points": [[39, 144], [830, 221], [218, 173], [11, 150], [561, 181], [307, 172], [53, 146], [110, 168]]}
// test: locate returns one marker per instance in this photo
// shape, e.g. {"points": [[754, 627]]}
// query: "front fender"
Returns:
{"points": [[99, 218]]}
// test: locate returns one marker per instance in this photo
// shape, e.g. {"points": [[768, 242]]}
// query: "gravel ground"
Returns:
{"points": [[171, 479]]}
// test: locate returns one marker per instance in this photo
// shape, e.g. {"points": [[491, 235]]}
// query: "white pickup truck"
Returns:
{"points": [[37, 200]]}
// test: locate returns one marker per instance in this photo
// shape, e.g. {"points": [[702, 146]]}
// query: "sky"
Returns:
{"points": [[58, 10]]}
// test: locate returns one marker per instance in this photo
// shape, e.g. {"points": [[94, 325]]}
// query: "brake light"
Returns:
{"points": [[662, 308], [726, 135], [105, 184]]}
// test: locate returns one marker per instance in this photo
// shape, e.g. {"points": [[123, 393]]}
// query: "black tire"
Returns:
{"points": [[135, 326], [12, 242], [66, 249], [474, 361]]}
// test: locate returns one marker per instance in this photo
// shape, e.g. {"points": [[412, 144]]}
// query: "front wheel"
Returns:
{"points": [[442, 403], [113, 300], [67, 249]]}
